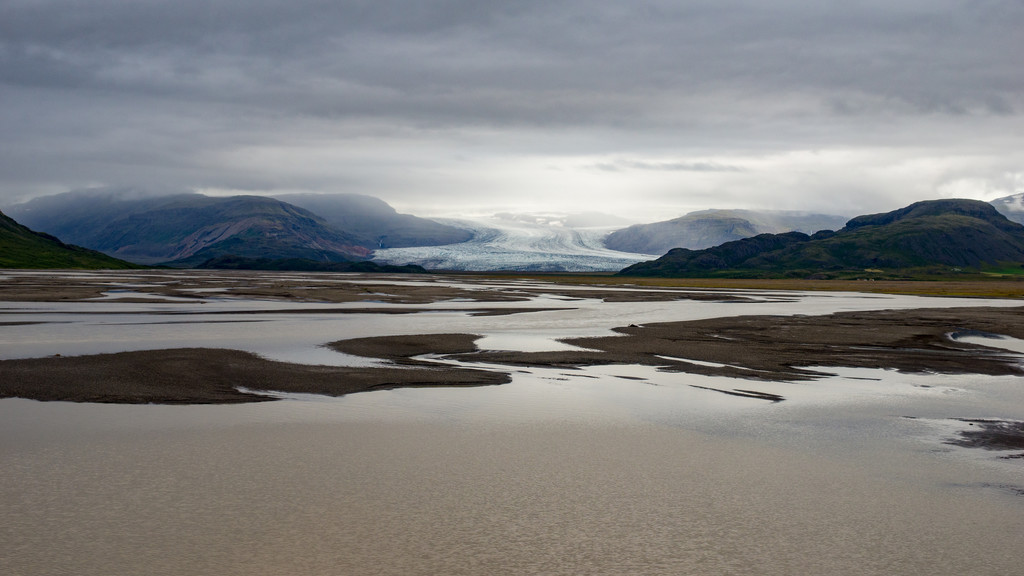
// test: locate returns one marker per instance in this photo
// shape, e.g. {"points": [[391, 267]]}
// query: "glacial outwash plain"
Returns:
{"points": [[474, 288], [249, 422]]}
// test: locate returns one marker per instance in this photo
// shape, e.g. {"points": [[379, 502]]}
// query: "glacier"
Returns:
{"points": [[523, 243]]}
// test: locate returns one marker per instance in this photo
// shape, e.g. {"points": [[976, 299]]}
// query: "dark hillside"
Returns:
{"points": [[20, 247], [943, 233], [376, 224], [189, 228]]}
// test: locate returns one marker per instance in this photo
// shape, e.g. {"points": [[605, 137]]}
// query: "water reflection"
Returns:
{"points": [[602, 470]]}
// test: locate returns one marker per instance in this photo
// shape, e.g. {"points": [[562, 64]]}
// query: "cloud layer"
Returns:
{"points": [[648, 108]]}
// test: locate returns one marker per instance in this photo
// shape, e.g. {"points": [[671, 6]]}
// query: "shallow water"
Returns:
{"points": [[605, 470], [580, 488]]}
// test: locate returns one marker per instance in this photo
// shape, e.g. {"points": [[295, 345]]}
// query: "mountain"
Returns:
{"points": [[188, 229], [305, 265], [936, 233], [20, 247], [374, 223], [1011, 206], [707, 228]]}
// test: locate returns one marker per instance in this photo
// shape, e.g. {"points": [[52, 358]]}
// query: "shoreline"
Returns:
{"points": [[197, 285]]}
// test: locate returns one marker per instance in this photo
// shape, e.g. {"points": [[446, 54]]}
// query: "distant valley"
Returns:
{"points": [[524, 243], [348, 232]]}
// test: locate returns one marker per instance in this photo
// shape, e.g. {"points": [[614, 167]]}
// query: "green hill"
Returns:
{"points": [[938, 234], [20, 247]]}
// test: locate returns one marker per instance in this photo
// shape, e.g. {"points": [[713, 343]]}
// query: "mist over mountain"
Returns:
{"points": [[21, 247], [706, 228], [592, 220], [375, 223], [949, 234], [1011, 206], [188, 229]]}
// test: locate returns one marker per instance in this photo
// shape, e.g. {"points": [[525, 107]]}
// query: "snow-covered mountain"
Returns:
{"points": [[522, 242]]}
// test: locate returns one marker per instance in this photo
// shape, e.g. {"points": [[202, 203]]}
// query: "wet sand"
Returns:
{"points": [[992, 435], [155, 286], [746, 347], [210, 376], [782, 347], [743, 348]]}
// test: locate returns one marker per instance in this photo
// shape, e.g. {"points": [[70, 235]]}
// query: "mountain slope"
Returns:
{"points": [[950, 233], [20, 247], [707, 228], [374, 223], [189, 228], [1011, 206]]}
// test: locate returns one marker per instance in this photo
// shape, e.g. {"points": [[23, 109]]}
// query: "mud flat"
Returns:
{"points": [[212, 376], [157, 286], [747, 347], [783, 347]]}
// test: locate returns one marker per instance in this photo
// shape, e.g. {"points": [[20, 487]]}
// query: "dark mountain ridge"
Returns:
{"points": [[374, 223], [949, 233], [188, 229]]}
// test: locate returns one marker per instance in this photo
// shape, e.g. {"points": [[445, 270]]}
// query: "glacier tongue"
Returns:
{"points": [[514, 244]]}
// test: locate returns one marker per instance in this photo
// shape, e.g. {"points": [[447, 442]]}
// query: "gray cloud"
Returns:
{"points": [[621, 165], [445, 103]]}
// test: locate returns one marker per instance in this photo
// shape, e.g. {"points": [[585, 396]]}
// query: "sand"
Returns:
{"points": [[207, 376], [746, 347]]}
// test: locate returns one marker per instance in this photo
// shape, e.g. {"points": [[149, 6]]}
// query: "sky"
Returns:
{"points": [[643, 109]]}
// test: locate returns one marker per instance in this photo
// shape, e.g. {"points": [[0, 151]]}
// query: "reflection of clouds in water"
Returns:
{"points": [[276, 330]]}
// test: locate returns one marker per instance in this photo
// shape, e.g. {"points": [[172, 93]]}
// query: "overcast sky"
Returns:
{"points": [[645, 108]]}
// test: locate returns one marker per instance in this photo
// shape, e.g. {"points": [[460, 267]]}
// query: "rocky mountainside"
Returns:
{"points": [[938, 233], [374, 223], [20, 247], [188, 229], [706, 228]]}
